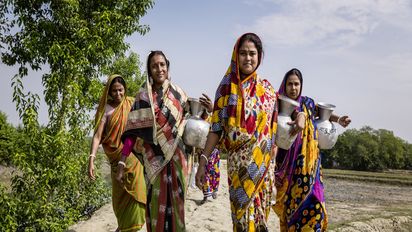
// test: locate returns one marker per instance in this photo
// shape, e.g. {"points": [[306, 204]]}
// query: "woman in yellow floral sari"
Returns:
{"points": [[243, 122], [128, 200]]}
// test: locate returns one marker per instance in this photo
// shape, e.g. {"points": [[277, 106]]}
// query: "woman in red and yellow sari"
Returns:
{"points": [[129, 199], [243, 122], [154, 133]]}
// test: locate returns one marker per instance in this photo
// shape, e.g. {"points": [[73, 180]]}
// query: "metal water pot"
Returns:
{"points": [[328, 134], [286, 107], [196, 129]]}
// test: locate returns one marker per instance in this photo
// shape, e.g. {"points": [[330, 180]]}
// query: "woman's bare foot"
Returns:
{"points": [[203, 201], [214, 195]]}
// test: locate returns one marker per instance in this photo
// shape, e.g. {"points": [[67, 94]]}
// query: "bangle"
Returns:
{"points": [[339, 119], [204, 156], [91, 155], [122, 163]]}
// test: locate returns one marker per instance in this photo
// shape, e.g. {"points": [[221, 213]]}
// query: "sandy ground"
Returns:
{"points": [[214, 215], [352, 206]]}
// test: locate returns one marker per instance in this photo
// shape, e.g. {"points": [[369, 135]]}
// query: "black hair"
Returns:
{"points": [[252, 37], [153, 53]]}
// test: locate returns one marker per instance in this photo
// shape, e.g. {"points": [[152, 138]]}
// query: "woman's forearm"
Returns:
{"points": [[212, 140]]}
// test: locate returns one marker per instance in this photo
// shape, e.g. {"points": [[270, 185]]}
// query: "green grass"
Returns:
{"points": [[392, 178]]}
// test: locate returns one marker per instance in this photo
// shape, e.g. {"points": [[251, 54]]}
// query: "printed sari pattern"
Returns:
{"points": [[244, 110], [300, 202]]}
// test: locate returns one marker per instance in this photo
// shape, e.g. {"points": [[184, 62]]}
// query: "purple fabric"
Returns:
{"points": [[128, 144]]}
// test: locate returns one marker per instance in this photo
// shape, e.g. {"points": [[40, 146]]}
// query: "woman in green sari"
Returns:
{"points": [[129, 199]]}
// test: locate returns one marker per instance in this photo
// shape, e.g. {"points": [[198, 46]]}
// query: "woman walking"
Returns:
{"points": [[128, 200]]}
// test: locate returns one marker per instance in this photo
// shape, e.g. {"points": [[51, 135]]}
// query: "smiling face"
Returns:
{"points": [[117, 92], [293, 87], [248, 58], [158, 70]]}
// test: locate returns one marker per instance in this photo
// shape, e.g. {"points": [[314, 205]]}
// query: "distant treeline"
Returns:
{"points": [[368, 149]]}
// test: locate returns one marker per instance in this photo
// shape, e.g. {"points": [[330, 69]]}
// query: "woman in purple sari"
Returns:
{"points": [[300, 203]]}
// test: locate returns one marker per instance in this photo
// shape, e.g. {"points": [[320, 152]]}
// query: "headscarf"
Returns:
{"points": [[229, 103], [282, 88], [105, 99]]}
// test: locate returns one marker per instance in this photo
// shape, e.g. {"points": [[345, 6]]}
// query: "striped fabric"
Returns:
{"points": [[160, 146], [128, 200]]}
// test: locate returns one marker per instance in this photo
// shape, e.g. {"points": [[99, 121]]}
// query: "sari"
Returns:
{"points": [[129, 200], [212, 175], [300, 203], [244, 110], [157, 122]]}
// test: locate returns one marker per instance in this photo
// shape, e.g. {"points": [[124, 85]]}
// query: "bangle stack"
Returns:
{"points": [[122, 163], [204, 156]]}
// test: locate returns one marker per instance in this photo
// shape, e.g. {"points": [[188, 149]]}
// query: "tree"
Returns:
{"points": [[71, 42], [129, 68], [7, 135], [369, 149]]}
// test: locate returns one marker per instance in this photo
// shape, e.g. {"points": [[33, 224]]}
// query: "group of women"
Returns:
{"points": [[243, 125]]}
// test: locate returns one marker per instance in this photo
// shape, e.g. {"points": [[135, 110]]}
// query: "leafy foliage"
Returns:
{"points": [[74, 41], [8, 134], [129, 68], [369, 149]]}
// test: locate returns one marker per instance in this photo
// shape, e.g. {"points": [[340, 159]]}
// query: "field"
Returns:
{"points": [[369, 201]]}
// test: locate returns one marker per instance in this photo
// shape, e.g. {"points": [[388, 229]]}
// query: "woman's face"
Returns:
{"points": [[248, 58], [117, 92], [158, 69], [293, 87]]}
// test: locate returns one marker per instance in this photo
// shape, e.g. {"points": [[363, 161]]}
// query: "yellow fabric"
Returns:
{"points": [[244, 110], [128, 200]]}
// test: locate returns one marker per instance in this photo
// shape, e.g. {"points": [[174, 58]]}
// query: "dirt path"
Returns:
{"points": [[352, 206], [214, 215]]}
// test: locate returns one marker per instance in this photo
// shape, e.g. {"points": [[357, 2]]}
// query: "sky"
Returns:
{"points": [[355, 54]]}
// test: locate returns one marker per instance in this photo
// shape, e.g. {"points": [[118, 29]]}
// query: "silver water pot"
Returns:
{"points": [[328, 134], [196, 129], [286, 107]]}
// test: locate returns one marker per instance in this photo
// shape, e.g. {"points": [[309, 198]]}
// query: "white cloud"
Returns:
{"points": [[330, 23]]}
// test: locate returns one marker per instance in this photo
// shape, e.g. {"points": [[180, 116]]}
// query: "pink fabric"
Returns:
{"points": [[128, 144]]}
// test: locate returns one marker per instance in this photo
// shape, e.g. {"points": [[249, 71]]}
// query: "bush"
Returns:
{"points": [[53, 190], [368, 149]]}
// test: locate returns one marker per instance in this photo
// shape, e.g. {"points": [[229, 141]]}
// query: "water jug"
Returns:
{"points": [[196, 129], [327, 131], [286, 107]]}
